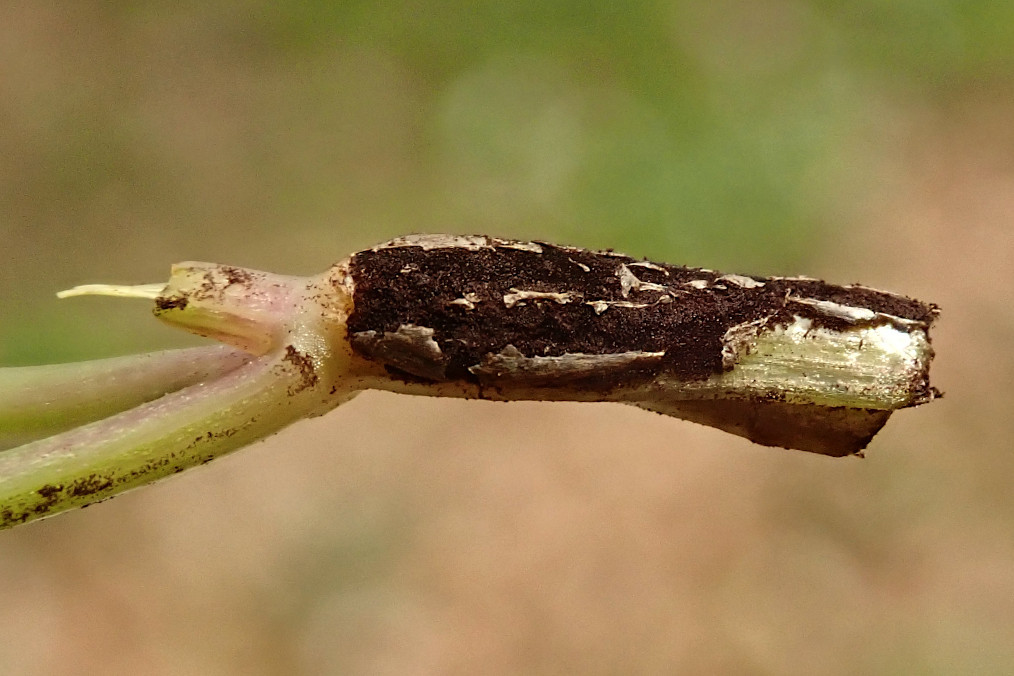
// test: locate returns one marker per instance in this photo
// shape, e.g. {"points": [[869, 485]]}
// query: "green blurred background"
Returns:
{"points": [[868, 140]]}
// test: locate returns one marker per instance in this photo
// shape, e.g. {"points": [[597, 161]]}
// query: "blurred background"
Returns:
{"points": [[864, 141]]}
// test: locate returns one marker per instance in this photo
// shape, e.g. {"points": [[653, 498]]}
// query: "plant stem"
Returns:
{"points": [[154, 440], [39, 401], [783, 361]]}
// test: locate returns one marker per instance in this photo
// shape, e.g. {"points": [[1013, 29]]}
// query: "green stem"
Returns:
{"points": [[154, 440], [39, 401]]}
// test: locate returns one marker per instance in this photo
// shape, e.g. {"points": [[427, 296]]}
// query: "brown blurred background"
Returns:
{"points": [[865, 141]]}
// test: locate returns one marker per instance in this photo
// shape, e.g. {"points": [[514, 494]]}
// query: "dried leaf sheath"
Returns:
{"points": [[807, 364]]}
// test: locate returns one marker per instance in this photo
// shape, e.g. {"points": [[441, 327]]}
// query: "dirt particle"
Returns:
{"points": [[236, 275], [170, 303], [304, 365], [89, 485], [50, 491], [50, 495]]}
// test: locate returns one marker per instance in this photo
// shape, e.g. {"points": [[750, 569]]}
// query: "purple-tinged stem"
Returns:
{"points": [[39, 401], [162, 437]]}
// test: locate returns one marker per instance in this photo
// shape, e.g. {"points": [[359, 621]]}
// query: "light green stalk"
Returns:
{"points": [[39, 401], [154, 440]]}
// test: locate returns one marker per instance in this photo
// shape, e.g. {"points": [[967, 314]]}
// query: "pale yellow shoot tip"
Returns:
{"points": [[149, 291]]}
